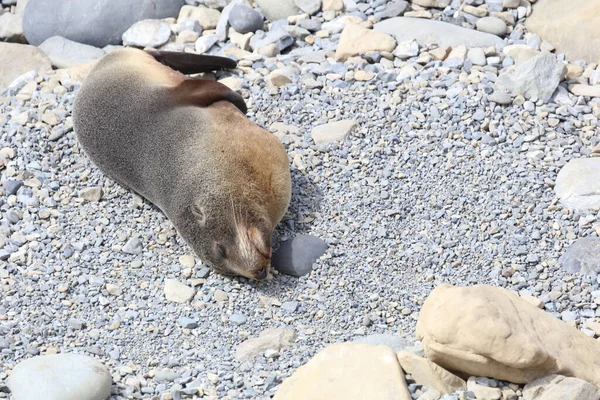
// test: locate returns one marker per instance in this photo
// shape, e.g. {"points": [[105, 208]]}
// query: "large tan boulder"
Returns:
{"points": [[348, 371], [18, 59], [487, 331], [571, 27], [357, 39]]}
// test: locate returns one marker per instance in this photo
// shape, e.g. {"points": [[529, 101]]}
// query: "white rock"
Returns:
{"points": [[492, 25], [407, 49], [584, 90], [11, 28], [277, 9], [309, 6], [204, 43], [177, 291], [477, 56], [91, 194], [332, 131], [60, 377], [578, 184], [147, 33], [537, 77]]}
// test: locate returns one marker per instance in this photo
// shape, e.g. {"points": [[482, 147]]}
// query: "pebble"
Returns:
{"points": [[238, 319], [244, 19], [492, 25], [332, 131], [147, 33], [91, 194], [178, 292], [133, 246]]}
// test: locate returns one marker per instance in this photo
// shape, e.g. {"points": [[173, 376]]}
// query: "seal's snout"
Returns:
{"points": [[261, 274]]}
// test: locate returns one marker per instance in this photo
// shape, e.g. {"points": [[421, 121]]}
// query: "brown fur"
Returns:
{"points": [[185, 146]]}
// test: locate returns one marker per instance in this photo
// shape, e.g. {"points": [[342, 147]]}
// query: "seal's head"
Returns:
{"points": [[231, 243]]}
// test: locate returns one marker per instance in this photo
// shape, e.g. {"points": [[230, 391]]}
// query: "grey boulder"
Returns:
{"points": [[94, 22]]}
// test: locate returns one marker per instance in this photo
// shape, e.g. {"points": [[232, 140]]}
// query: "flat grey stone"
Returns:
{"points": [[296, 256], [444, 34], [582, 257]]}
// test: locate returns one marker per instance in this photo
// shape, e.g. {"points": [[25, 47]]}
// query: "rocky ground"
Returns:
{"points": [[443, 169]]}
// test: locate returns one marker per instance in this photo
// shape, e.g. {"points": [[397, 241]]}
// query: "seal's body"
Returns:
{"points": [[185, 146]]}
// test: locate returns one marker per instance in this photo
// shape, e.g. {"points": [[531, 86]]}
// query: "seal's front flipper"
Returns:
{"points": [[188, 63], [203, 93]]}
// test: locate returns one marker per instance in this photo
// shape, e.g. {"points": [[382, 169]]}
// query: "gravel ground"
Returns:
{"points": [[435, 184]]}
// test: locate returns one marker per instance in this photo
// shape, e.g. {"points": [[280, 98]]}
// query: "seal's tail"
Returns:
{"points": [[188, 63]]}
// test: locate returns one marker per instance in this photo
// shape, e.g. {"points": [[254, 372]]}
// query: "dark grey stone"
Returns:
{"points": [[393, 9], [12, 186], [296, 256], [309, 24], [244, 19], [188, 323], [94, 22]]}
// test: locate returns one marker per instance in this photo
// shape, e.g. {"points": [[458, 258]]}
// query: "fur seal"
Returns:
{"points": [[187, 146]]}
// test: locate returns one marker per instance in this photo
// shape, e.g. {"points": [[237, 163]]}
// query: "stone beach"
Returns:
{"points": [[431, 143]]}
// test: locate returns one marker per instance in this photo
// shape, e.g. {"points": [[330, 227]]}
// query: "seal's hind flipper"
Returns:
{"points": [[203, 93], [189, 63]]}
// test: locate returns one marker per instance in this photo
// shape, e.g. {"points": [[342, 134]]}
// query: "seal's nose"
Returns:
{"points": [[261, 273]]}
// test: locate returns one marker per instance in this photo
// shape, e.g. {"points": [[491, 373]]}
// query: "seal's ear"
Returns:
{"points": [[203, 93], [188, 63]]}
